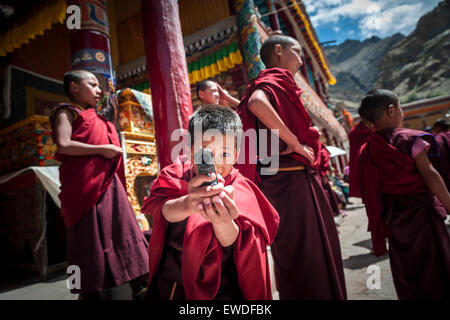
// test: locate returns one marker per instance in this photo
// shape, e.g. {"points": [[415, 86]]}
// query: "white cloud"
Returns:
{"points": [[384, 23], [375, 17], [349, 9], [314, 5]]}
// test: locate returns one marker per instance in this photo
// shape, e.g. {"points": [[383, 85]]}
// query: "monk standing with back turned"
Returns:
{"points": [[406, 200]]}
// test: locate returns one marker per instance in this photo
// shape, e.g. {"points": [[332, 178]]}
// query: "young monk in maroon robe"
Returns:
{"points": [[104, 239], [358, 136], [209, 242], [441, 132], [406, 200], [306, 250]]}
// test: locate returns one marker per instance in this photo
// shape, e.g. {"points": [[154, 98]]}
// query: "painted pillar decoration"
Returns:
{"points": [[250, 41], [91, 50], [168, 73]]}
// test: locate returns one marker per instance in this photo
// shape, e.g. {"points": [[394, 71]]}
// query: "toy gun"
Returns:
{"points": [[205, 165]]}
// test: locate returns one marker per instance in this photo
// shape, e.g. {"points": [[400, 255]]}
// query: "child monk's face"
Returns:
{"points": [[224, 151], [87, 91], [210, 95], [393, 116], [399, 116], [289, 58]]}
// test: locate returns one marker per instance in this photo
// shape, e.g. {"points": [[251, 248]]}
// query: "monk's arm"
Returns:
{"points": [[221, 210], [226, 233], [433, 179], [232, 100], [63, 133], [261, 107], [177, 210]]}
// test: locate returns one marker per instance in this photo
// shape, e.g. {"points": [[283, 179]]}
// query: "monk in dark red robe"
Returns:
{"points": [[207, 270], [306, 250], [358, 136], [406, 201], [199, 253], [104, 238], [96, 210]]}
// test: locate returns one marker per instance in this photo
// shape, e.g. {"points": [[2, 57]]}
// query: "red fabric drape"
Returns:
{"points": [[202, 253], [285, 98], [84, 179], [384, 169], [358, 137]]}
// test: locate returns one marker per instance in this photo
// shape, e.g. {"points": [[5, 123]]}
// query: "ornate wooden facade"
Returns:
{"points": [[138, 140], [27, 143]]}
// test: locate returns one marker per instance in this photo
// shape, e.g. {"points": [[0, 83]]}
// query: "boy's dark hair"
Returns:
{"points": [[267, 47], [203, 85], [375, 102], [441, 124], [215, 117], [74, 76]]}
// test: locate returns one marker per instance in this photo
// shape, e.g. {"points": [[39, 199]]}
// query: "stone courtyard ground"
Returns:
{"points": [[355, 244]]}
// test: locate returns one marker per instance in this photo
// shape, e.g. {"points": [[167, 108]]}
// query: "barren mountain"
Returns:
{"points": [[419, 66], [416, 66]]}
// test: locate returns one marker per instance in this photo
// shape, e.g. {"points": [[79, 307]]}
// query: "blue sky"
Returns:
{"points": [[361, 19]]}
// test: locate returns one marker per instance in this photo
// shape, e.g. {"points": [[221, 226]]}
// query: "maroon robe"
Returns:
{"points": [[282, 90], [86, 177], [201, 252], [400, 207], [358, 136], [306, 250], [443, 161], [104, 238]]}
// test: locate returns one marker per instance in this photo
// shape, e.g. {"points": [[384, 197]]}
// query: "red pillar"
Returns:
{"points": [[168, 75], [274, 22]]}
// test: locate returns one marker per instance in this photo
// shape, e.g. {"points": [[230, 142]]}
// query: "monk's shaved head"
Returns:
{"points": [[269, 44], [205, 84], [75, 76], [215, 117], [375, 103]]}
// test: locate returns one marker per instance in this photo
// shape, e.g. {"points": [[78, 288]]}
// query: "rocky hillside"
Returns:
{"points": [[355, 65], [415, 67], [419, 66]]}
